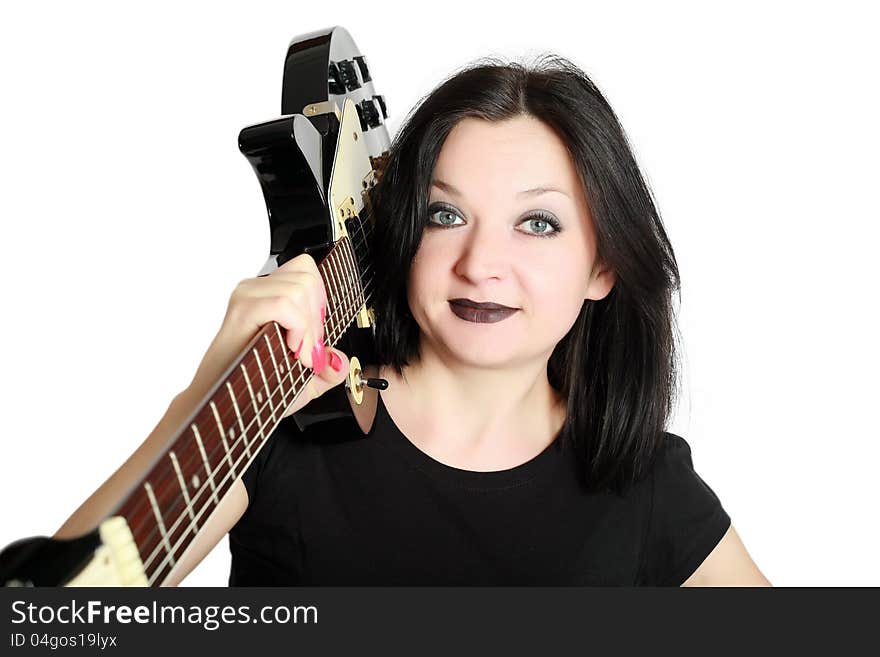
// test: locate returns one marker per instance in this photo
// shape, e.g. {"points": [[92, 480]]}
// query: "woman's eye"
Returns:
{"points": [[542, 225], [444, 217], [538, 225]]}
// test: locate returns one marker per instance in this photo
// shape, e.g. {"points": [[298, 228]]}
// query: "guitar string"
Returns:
{"points": [[217, 449], [229, 472], [226, 416], [169, 476], [235, 379], [198, 507], [229, 475]]}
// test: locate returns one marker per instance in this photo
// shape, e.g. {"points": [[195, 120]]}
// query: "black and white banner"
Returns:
{"points": [[415, 621]]}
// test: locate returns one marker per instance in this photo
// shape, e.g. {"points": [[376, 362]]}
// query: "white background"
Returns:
{"points": [[129, 215]]}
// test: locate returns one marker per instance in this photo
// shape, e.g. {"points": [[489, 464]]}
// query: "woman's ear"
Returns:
{"points": [[601, 281]]}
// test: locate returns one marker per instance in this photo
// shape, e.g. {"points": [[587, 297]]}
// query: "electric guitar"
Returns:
{"points": [[316, 165]]}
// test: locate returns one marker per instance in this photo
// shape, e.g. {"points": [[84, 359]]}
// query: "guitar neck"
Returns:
{"points": [[216, 444]]}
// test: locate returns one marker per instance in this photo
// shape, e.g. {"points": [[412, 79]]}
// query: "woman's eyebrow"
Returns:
{"points": [[534, 191]]}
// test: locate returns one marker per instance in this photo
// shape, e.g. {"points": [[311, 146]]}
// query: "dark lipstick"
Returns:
{"points": [[480, 312]]}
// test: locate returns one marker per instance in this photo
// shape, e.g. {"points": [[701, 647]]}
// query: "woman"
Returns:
{"points": [[524, 322]]}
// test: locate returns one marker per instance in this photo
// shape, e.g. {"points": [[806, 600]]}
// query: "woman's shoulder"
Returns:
{"points": [[687, 517], [673, 452], [674, 443], [673, 464]]}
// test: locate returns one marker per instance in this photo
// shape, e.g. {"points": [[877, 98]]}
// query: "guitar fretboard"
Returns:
{"points": [[220, 439]]}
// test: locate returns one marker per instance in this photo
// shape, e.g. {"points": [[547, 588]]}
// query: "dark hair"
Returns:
{"points": [[616, 367]]}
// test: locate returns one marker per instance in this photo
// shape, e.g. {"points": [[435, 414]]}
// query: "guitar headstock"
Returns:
{"points": [[295, 156], [326, 68]]}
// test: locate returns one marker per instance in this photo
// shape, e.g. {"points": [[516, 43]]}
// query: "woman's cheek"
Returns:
{"points": [[561, 300]]}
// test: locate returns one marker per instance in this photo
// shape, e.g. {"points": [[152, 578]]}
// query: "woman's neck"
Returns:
{"points": [[475, 414]]}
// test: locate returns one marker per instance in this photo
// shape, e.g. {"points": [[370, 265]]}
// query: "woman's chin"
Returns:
{"points": [[482, 352]]}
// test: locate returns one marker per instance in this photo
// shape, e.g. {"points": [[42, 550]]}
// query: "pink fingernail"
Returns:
{"points": [[335, 361], [319, 357], [296, 353]]}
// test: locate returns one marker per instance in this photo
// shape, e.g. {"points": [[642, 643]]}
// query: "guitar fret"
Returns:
{"points": [[349, 282], [353, 275], [334, 278], [324, 269], [283, 349], [360, 264], [266, 385], [207, 464], [343, 282], [356, 272], [159, 521], [247, 446], [259, 420], [223, 438], [274, 363], [289, 370], [277, 371], [192, 516], [364, 238], [351, 292], [344, 300]]}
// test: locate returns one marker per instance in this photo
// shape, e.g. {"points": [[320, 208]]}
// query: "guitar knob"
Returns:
{"points": [[355, 382]]}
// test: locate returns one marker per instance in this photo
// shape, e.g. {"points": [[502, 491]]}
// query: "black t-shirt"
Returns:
{"points": [[332, 506]]}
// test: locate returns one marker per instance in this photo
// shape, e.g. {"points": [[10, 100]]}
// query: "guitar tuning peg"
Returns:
{"points": [[378, 384]]}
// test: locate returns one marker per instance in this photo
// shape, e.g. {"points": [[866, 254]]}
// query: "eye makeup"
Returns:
{"points": [[534, 216]]}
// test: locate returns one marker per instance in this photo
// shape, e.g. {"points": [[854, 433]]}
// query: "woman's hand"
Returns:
{"points": [[294, 296]]}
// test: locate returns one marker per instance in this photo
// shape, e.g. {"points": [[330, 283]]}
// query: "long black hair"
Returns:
{"points": [[616, 368]]}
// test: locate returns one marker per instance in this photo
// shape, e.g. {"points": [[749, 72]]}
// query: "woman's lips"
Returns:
{"points": [[480, 315]]}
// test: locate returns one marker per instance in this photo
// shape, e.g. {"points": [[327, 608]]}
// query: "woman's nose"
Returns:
{"points": [[485, 252]]}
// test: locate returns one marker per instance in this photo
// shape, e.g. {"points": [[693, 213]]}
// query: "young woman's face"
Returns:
{"points": [[507, 223]]}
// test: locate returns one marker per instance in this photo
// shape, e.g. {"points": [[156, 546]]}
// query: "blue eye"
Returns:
{"points": [[446, 216], [441, 215], [541, 222]]}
